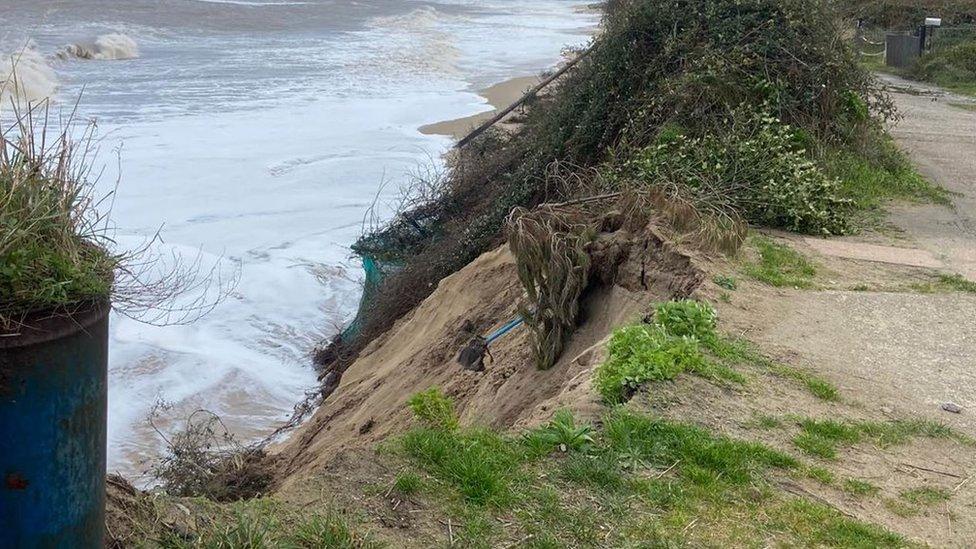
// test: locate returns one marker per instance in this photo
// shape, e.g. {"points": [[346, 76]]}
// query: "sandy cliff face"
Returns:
{"points": [[631, 271]]}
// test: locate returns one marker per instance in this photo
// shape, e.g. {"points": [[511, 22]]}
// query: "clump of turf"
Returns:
{"points": [[53, 253]]}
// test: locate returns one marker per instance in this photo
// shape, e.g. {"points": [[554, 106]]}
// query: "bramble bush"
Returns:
{"points": [[758, 168]]}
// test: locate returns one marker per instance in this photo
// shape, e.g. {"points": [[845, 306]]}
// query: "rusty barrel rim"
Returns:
{"points": [[53, 324]]}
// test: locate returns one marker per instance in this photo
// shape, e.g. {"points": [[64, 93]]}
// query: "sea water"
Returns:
{"points": [[253, 136]]}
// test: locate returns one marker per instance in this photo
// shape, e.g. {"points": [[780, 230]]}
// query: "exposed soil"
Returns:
{"points": [[420, 351]]}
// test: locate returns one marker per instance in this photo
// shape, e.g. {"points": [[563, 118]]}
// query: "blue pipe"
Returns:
{"points": [[511, 325]]}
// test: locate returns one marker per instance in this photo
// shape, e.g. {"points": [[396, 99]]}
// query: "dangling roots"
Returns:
{"points": [[549, 245]]}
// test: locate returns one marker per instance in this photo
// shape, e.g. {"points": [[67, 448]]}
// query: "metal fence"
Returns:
{"points": [[900, 48]]}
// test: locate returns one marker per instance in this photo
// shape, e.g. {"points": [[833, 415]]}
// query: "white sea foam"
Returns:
{"points": [[417, 42], [26, 76], [106, 46], [255, 4]]}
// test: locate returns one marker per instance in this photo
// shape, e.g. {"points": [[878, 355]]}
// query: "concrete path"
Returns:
{"points": [[900, 354], [939, 134]]}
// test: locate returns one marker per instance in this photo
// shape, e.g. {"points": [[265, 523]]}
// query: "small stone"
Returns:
{"points": [[952, 407]]}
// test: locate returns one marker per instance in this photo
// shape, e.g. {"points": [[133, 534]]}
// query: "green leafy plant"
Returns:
{"points": [[642, 353], [434, 409], [563, 433], [727, 282], [760, 171], [687, 318]]}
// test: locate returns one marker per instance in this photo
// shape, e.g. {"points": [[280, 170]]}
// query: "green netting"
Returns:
{"points": [[374, 276]]}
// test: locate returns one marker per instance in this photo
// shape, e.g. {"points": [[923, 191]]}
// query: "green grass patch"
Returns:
{"points": [[434, 408], [925, 495], [678, 341], [952, 66], [822, 526], [408, 484], [901, 508], [267, 523], [779, 265], [871, 181], [945, 283], [822, 438], [741, 351], [860, 488], [821, 475], [637, 480], [480, 464]]}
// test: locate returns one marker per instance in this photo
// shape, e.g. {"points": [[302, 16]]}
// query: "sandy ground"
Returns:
{"points": [[901, 352], [498, 96]]}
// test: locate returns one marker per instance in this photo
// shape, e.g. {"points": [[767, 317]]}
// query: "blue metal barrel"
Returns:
{"points": [[52, 431]]}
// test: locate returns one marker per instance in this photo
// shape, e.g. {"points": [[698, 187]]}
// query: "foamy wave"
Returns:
{"points": [[255, 4], [418, 19], [26, 76], [106, 46], [416, 43]]}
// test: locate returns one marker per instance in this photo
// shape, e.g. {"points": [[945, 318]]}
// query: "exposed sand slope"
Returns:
{"points": [[420, 350]]}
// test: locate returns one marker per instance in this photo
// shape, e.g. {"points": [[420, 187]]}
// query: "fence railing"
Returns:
{"points": [[900, 48]]}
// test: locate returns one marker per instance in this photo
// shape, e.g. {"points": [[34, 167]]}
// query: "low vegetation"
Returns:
{"points": [[267, 523], [635, 480], [822, 438], [945, 283], [780, 265], [52, 248], [684, 338], [907, 14], [680, 340], [952, 65]]}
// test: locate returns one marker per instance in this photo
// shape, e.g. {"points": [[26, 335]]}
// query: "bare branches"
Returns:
{"points": [[204, 459]]}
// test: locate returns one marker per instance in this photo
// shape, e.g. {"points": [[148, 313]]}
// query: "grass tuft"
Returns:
{"points": [[925, 495], [434, 409], [780, 265], [821, 438], [408, 484], [860, 488], [52, 238], [945, 283]]}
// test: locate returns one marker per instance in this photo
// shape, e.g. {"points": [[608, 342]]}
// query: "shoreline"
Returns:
{"points": [[498, 96]]}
